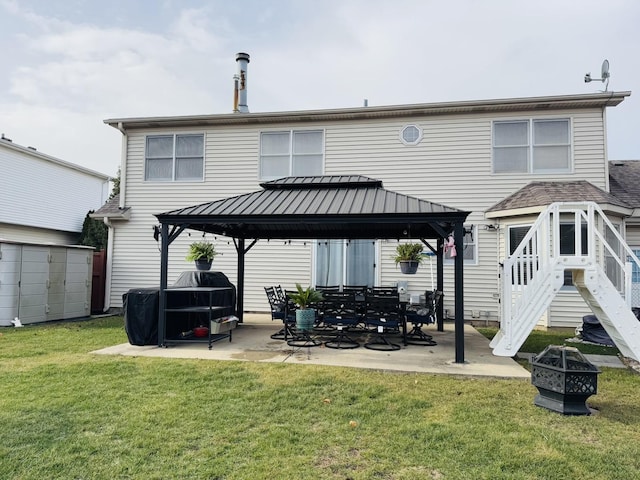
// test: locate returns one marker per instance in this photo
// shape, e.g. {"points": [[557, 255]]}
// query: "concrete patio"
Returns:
{"points": [[252, 342]]}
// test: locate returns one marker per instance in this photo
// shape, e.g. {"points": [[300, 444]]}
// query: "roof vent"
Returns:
{"points": [[240, 84], [5, 138]]}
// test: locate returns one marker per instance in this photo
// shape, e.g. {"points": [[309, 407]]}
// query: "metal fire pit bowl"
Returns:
{"points": [[564, 379]]}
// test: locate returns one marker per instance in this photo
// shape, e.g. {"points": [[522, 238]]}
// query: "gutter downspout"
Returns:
{"points": [[123, 164], [111, 232], [107, 280], [606, 152]]}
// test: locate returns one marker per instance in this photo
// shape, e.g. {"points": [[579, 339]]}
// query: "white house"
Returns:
{"points": [[45, 199], [486, 157], [43, 203], [470, 155]]}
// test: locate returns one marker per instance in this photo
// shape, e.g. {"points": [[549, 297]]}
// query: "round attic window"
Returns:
{"points": [[411, 135]]}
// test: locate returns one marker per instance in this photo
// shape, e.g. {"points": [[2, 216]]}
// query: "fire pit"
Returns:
{"points": [[564, 379]]}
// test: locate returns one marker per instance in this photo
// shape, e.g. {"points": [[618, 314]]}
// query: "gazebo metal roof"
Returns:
{"points": [[322, 207], [346, 206]]}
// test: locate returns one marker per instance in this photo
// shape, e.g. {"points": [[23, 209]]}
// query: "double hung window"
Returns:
{"points": [[532, 146], [291, 153], [174, 158]]}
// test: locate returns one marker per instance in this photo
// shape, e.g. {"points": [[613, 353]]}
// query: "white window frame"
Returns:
{"points": [[414, 142], [531, 146], [473, 244], [291, 134], [173, 159]]}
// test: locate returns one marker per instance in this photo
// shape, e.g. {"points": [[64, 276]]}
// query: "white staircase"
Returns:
{"points": [[601, 271]]}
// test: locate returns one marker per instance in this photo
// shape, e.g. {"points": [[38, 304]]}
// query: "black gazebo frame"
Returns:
{"points": [[323, 207]]}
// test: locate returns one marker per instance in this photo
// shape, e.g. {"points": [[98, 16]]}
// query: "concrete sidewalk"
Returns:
{"points": [[252, 342]]}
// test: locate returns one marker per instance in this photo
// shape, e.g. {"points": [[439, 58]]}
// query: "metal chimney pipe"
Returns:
{"points": [[240, 82]]}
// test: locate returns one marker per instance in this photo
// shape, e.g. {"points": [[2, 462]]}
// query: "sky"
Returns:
{"points": [[67, 65]]}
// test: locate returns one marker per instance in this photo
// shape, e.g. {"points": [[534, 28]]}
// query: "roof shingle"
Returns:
{"points": [[538, 194], [624, 181]]}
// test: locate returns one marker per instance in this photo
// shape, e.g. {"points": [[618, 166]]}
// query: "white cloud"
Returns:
{"points": [[72, 74]]}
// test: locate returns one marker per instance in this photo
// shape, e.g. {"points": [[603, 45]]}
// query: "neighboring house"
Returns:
{"points": [[44, 199], [470, 155], [624, 183], [44, 275]]}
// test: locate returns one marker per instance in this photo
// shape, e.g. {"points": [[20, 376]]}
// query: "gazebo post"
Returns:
{"points": [[459, 291], [240, 291], [164, 261], [440, 281]]}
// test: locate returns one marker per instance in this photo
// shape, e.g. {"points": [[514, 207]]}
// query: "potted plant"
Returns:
{"points": [[303, 298], [409, 256], [202, 253]]}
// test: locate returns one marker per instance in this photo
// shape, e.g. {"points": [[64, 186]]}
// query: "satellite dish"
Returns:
{"points": [[604, 75], [604, 71]]}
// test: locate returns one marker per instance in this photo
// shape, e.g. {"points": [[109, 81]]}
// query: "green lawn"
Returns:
{"points": [[68, 414], [538, 340]]}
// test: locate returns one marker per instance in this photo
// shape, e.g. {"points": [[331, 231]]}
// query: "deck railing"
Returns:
{"points": [[564, 238]]}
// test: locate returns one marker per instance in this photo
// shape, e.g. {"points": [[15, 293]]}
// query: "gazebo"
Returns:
{"points": [[323, 207]]}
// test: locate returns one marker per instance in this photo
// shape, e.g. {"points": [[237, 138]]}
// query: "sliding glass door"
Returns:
{"points": [[346, 262]]}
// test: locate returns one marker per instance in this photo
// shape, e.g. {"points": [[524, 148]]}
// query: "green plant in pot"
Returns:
{"points": [[303, 298], [202, 253], [409, 257]]}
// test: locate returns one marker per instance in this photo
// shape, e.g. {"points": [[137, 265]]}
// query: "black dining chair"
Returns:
{"points": [[280, 293], [423, 315], [278, 307], [327, 288], [357, 289], [338, 310], [390, 291], [384, 316]]}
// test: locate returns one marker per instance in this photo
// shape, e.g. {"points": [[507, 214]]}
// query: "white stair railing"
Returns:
{"points": [[566, 236]]}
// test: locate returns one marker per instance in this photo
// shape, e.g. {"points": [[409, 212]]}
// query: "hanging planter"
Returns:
{"points": [[203, 264], [409, 257], [202, 253], [409, 267]]}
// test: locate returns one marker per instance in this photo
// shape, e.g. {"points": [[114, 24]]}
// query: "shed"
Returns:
{"points": [[327, 207], [44, 282]]}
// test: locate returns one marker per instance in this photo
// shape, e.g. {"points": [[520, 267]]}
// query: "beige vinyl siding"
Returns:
{"points": [[19, 233], [451, 165], [633, 236], [567, 309]]}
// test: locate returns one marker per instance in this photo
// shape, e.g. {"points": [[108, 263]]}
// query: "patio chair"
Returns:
{"points": [[280, 293], [390, 291], [383, 317], [424, 316], [338, 310], [278, 312], [360, 292], [327, 288]]}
